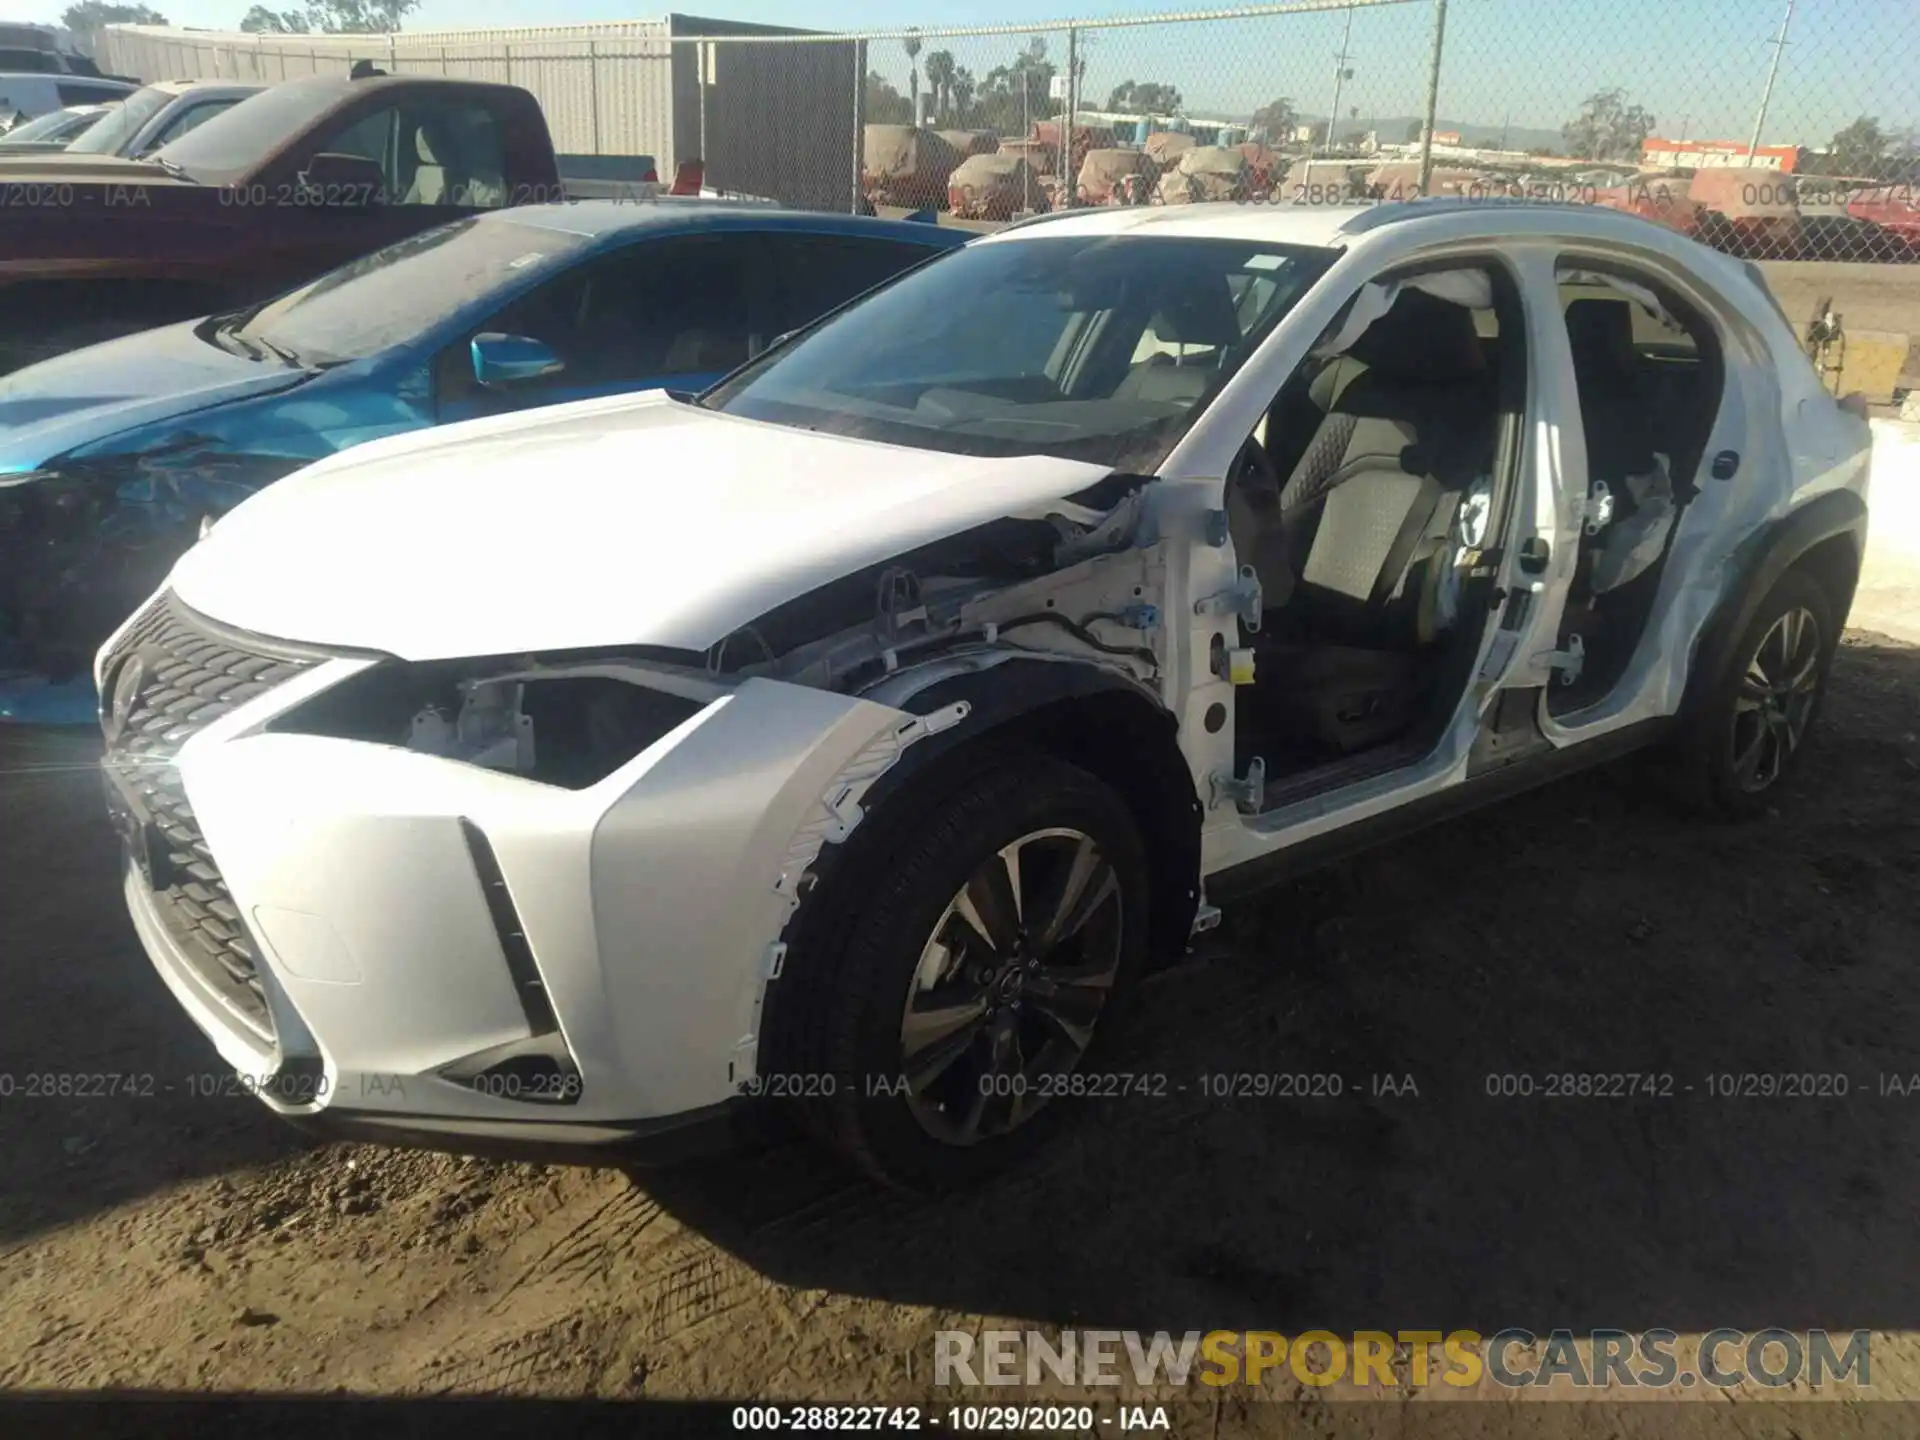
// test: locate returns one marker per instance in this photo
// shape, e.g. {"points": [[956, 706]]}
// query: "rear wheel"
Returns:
{"points": [[1750, 734], [958, 971]]}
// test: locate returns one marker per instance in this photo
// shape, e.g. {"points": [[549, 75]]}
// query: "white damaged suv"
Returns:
{"points": [[855, 733]]}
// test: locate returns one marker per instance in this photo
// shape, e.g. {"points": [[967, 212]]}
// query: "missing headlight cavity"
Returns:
{"points": [[569, 730], [591, 726]]}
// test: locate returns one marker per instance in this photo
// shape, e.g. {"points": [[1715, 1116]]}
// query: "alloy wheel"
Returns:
{"points": [[1775, 700], [1010, 985]]}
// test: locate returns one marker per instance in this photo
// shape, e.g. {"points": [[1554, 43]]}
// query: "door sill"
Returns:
{"points": [[1336, 774]]}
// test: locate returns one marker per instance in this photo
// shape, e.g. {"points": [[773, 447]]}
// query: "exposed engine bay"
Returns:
{"points": [[1070, 584]]}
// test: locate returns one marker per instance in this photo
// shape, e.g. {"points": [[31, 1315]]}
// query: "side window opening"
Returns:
{"points": [[450, 155], [191, 118], [819, 273], [370, 137], [655, 310], [431, 154]]}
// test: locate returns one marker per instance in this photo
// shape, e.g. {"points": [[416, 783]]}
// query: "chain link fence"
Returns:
{"points": [[1776, 129]]}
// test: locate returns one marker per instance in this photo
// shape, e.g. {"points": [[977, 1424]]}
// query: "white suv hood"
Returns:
{"points": [[632, 521]]}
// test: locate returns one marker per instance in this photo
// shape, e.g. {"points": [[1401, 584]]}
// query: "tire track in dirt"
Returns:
{"points": [[607, 1274], [617, 1223]]}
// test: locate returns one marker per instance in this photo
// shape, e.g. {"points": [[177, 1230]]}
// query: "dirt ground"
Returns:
{"points": [[180, 1243]]}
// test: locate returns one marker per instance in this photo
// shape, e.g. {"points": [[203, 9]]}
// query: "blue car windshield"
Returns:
{"points": [[1102, 347], [394, 295]]}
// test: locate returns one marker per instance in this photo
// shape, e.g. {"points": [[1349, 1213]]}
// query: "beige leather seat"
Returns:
{"points": [[429, 185]]}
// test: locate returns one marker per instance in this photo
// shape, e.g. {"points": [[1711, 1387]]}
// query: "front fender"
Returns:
{"points": [[696, 870]]}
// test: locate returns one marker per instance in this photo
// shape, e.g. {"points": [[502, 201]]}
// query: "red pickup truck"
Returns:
{"points": [[296, 180]]}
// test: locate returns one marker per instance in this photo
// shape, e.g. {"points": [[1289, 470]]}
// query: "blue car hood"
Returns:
{"points": [[91, 394]]}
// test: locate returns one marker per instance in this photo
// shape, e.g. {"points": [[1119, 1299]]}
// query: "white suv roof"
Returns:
{"points": [[182, 87]]}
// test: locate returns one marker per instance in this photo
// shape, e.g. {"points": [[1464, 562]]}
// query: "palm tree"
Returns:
{"points": [[912, 46], [963, 88], [940, 70]]}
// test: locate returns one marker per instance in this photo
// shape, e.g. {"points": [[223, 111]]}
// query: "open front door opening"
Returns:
{"points": [[1368, 502]]}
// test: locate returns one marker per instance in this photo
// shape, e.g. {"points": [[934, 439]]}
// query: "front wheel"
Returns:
{"points": [[958, 969], [1751, 732]]}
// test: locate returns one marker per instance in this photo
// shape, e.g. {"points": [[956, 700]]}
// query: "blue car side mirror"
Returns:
{"points": [[503, 359]]}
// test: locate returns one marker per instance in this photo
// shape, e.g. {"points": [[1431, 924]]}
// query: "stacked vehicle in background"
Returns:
{"points": [[157, 114], [278, 189], [29, 94], [52, 133], [36, 50], [906, 165]]}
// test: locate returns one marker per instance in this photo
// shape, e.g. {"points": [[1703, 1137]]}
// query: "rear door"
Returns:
{"points": [[673, 312]]}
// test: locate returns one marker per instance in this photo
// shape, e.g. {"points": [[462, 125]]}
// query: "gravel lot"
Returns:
{"points": [[182, 1243]]}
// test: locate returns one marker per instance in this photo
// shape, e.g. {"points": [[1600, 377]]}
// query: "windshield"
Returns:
{"points": [[1100, 348], [391, 296], [117, 129], [232, 143], [50, 127]]}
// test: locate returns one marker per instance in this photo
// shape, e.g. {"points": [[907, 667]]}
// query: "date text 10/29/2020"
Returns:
{"points": [[1103, 1085], [954, 1419]]}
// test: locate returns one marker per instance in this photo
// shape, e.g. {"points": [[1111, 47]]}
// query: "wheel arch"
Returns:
{"points": [[1090, 716], [1825, 538]]}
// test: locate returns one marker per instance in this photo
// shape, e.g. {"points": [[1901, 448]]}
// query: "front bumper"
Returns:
{"points": [[644, 910]]}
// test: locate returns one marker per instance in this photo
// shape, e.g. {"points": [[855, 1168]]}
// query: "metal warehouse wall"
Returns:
{"points": [[605, 88], [775, 119]]}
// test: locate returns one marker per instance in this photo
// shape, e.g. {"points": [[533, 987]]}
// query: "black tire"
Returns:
{"points": [[837, 1017], [1720, 771]]}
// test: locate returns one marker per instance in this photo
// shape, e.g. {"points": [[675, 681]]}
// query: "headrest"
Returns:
{"points": [[1199, 313], [1421, 340], [1600, 333], [424, 148]]}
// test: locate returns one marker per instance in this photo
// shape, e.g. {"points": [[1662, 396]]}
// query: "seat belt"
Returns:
{"points": [[1412, 530]]}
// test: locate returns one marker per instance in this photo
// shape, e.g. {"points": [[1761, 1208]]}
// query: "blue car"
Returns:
{"points": [[112, 457]]}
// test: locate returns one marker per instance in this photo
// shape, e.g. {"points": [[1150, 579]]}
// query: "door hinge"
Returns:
{"points": [[1598, 511], [1205, 918], [1242, 598], [1247, 792], [1569, 662]]}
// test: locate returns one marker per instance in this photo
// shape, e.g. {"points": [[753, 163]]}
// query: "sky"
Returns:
{"points": [[1700, 66]]}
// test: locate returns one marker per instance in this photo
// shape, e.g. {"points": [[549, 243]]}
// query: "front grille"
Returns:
{"points": [[170, 676]]}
